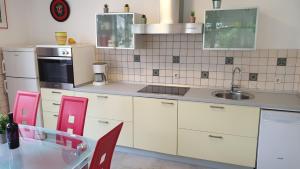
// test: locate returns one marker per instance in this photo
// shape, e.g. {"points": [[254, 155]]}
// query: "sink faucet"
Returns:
{"points": [[233, 86]]}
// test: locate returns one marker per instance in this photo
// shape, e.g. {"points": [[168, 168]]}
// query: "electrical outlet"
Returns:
{"points": [[176, 76], [279, 79]]}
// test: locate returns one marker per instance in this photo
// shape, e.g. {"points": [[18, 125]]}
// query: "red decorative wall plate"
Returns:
{"points": [[60, 10]]}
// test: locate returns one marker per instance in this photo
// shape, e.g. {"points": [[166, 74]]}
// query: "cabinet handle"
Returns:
{"points": [[3, 67], [56, 104], [217, 107], [218, 137], [103, 122], [55, 115], [103, 97], [54, 92], [168, 103]]}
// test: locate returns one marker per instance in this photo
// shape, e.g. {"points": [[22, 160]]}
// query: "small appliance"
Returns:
{"points": [[65, 67], [100, 72]]}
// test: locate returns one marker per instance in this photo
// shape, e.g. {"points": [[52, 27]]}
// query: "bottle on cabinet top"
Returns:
{"points": [[126, 8], [12, 133]]}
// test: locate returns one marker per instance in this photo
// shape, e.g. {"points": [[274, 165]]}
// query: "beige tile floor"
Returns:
{"points": [[130, 161]]}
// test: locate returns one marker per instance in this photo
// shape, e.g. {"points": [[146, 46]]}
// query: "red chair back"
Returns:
{"points": [[72, 114], [105, 148], [25, 107]]}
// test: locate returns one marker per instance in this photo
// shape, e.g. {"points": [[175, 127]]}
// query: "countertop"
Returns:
{"points": [[264, 100]]}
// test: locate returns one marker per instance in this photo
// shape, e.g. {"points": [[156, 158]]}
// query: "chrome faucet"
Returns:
{"points": [[233, 86]]}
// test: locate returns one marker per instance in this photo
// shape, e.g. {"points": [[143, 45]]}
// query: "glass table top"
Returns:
{"points": [[42, 148]]}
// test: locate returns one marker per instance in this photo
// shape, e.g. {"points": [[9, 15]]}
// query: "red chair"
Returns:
{"points": [[72, 114], [25, 107], [105, 148]]}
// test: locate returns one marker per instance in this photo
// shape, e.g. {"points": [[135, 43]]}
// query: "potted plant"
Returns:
{"points": [[192, 17], [3, 123]]}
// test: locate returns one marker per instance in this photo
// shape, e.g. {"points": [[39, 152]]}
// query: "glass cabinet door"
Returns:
{"points": [[115, 31], [230, 29]]}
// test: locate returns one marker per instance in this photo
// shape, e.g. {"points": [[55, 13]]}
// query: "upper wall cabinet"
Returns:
{"points": [[230, 29], [114, 30]]}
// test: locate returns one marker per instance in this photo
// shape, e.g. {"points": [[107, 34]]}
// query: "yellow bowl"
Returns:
{"points": [[61, 38]]}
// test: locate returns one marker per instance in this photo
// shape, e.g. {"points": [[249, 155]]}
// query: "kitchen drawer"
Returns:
{"points": [[51, 106], [109, 106], [219, 118], [217, 147], [95, 128], [55, 94], [50, 120]]}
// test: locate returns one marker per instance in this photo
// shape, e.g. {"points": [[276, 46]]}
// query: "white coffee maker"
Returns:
{"points": [[100, 72]]}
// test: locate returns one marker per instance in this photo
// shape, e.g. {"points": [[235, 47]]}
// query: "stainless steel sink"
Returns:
{"points": [[237, 95]]}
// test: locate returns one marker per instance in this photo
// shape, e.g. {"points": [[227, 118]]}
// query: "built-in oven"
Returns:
{"points": [[55, 67]]}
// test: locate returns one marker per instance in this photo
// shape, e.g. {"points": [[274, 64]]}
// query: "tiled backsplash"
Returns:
{"points": [[180, 60]]}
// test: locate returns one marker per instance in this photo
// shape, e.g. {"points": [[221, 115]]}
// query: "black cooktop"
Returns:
{"points": [[179, 91]]}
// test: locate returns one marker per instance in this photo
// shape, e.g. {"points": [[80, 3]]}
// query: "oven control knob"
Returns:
{"points": [[63, 52], [67, 52]]}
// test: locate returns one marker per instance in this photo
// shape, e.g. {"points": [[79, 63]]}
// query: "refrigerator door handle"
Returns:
{"points": [[5, 87], [3, 66]]}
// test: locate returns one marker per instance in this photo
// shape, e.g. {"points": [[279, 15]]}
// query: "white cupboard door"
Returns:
{"points": [[219, 118], [50, 120], [217, 147], [95, 128], [21, 64], [155, 125], [108, 106]]}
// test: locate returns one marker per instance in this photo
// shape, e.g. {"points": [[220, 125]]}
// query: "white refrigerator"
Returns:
{"points": [[21, 73]]}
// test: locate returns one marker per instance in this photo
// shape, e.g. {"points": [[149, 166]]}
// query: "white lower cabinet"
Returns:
{"points": [[50, 120], [155, 125], [217, 147], [50, 99], [105, 112], [217, 132], [95, 128]]}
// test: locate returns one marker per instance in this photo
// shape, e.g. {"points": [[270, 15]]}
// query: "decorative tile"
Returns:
{"points": [[137, 58], [176, 59], [229, 60], [155, 72], [204, 75], [253, 76], [281, 61]]}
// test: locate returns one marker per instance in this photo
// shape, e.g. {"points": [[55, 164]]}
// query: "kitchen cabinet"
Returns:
{"points": [[50, 99], [106, 111], [114, 30], [155, 125], [216, 132], [230, 29], [96, 127], [108, 106]]}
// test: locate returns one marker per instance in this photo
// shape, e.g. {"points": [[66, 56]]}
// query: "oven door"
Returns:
{"points": [[56, 72]]}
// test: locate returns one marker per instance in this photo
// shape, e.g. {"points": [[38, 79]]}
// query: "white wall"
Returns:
{"points": [[81, 23], [279, 25], [17, 31]]}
